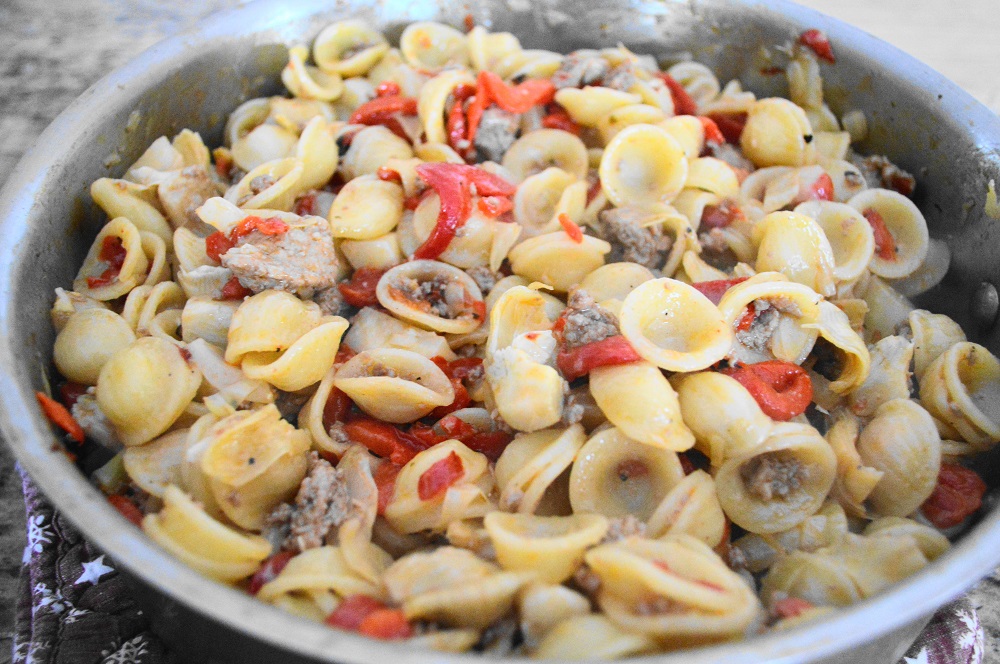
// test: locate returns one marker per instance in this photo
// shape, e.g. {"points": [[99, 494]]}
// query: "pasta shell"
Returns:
{"points": [[906, 225], [697, 80], [90, 338], [432, 103], [643, 165], [309, 82], [888, 376], [262, 144], [348, 48], [849, 234], [855, 481], [550, 547], [592, 637], [208, 319], [529, 63], [157, 464], [281, 178], [433, 46], [546, 148], [826, 527], [433, 295], [242, 121], [371, 329], [321, 568], [776, 134], [557, 260], [370, 149], [68, 303], [887, 309], [931, 542], [526, 390], [318, 153], [366, 208], [615, 281], [269, 322], [933, 334], [589, 104], [930, 273], [834, 326], [674, 326], [470, 249], [543, 606], [796, 246], [133, 269], [626, 116], [530, 465], [304, 362], [637, 399], [689, 133], [691, 508], [712, 175], [960, 387], [486, 49], [138, 204], [616, 476], [539, 197], [394, 385]]}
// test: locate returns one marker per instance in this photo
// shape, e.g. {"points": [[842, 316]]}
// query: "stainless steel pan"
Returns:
{"points": [[47, 220]]}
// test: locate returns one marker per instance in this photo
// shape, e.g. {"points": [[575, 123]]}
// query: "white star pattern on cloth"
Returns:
{"points": [[93, 571], [921, 658]]}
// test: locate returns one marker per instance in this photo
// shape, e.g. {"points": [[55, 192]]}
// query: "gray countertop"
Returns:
{"points": [[51, 52]]}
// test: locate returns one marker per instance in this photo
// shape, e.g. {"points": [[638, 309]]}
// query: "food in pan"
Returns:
{"points": [[505, 350]]}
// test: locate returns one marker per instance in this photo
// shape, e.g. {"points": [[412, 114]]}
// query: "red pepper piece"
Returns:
{"points": [[387, 625], [572, 230], [382, 109], [495, 206], [819, 43], [269, 571], [384, 439], [579, 361], [519, 98], [721, 215], [305, 205], [441, 475], [269, 226], [712, 132], [385, 481], [885, 243], [489, 443], [216, 245], [223, 163], [714, 290], [747, 319], [127, 509], [463, 92], [60, 416], [113, 254], [790, 607], [731, 125], [387, 89], [69, 392], [360, 290], [386, 174], [234, 290], [559, 119], [470, 22], [958, 494], [336, 408], [594, 190], [474, 112], [350, 613], [683, 103], [458, 130], [821, 189], [781, 389]]}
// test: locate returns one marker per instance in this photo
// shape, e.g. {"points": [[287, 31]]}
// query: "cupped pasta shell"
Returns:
{"points": [[724, 417], [321, 568], [887, 309], [776, 134], [888, 376], [372, 329], [370, 149], [309, 82], [637, 399], [796, 246], [394, 385], [219, 552], [538, 198], [824, 528], [530, 465], [137, 203], [933, 334], [617, 119], [615, 281], [550, 547], [145, 387], [906, 225], [283, 176], [247, 115], [616, 476], [527, 393], [691, 508], [516, 309], [208, 319], [674, 326], [432, 295], [90, 338], [348, 48], [269, 322], [589, 104], [262, 144], [931, 542], [470, 249], [643, 165], [689, 133], [592, 637], [546, 148], [558, 260], [366, 208], [542, 606], [304, 362], [318, 153], [431, 104], [431, 46], [849, 234], [157, 464], [776, 485], [529, 63], [133, 268], [834, 326], [712, 175]]}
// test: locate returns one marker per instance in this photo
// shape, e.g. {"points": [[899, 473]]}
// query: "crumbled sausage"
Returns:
{"points": [[300, 260], [624, 526], [768, 476], [764, 324], [496, 133], [484, 277], [579, 69], [621, 77], [322, 504], [587, 321], [183, 192], [878, 171], [289, 403], [330, 301], [631, 242], [715, 250], [439, 296], [586, 580], [94, 422]]}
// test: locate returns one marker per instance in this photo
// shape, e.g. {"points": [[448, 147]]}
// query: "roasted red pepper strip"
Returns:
{"points": [[714, 290], [305, 205], [216, 245], [60, 416], [819, 43], [958, 494], [885, 243], [336, 408], [457, 129], [385, 482], [452, 183], [474, 112], [721, 215], [579, 361], [113, 254], [731, 125], [387, 625], [387, 89], [127, 509], [821, 189], [519, 98], [495, 206], [384, 439], [747, 319], [234, 290], [360, 290], [269, 571], [383, 109], [572, 230], [683, 103], [712, 132], [350, 613], [441, 475], [386, 174], [781, 389], [559, 119]]}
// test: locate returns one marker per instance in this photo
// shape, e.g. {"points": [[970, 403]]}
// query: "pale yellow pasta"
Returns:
{"points": [[372, 329], [90, 338], [379, 253], [902, 443], [888, 376], [486, 49], [712, 175], [433, 46], [528, 63], [546, 148], [161, 297], [906, 225], [528, 469], [318, 570], [846, 177], [849, 234], [691, 508], [262, 144], [826, 527], [219, 552], [138, 204], [437, 152], [467, 498], [400, 292], [318, 153], [692, 203], [933, 334], [309, 82], [474, 246], [281, 183], [592, 637], [543, 606], [68, 303], [777, 484], [157, 464], [394, 385], [370, 149], [348, 48], [539, 197], [931, 542], [526, 390], [960, 387], [614, 281], [698, 80], [366, 208], [674, 326], [123, 233], [549, 547], [144, 388], [774, 186], [689, 133], [617, 119], [731, 99], [586, 106], [930, 273], [431, 105], [643, 164], [853, 357], [637, 399], [796, 246], [557, 260], [855, 480], [516, 309], [829, 144], [776, 134]]}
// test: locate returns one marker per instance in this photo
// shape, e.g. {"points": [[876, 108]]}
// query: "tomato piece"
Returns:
{"points": [[305, 205], [594, 190], [790, 607], [819, 43], [60, 416], [821, 189], [721, 215], [461, 400], [69, 392], [384, 439], [463, 92], [730, 124], [223, 164], [350, 613], [519, 98], [387, 89], [747, 319], [579, 361], [386, 174], [958, 494], [457, 128], [495, 206], [489, 443], [383, 109], [572, 230], [683, 103], [269, 226], [234, 290], [559, 119], [463, 367], [269, 571], [385, 482], [714, 290], [441, 475], [336, 408], [113, 254], [387, 625], [470, 22], [885, 243], [781, 389], [360, 290], [127, 509], [216, 245], [712, 132]]}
